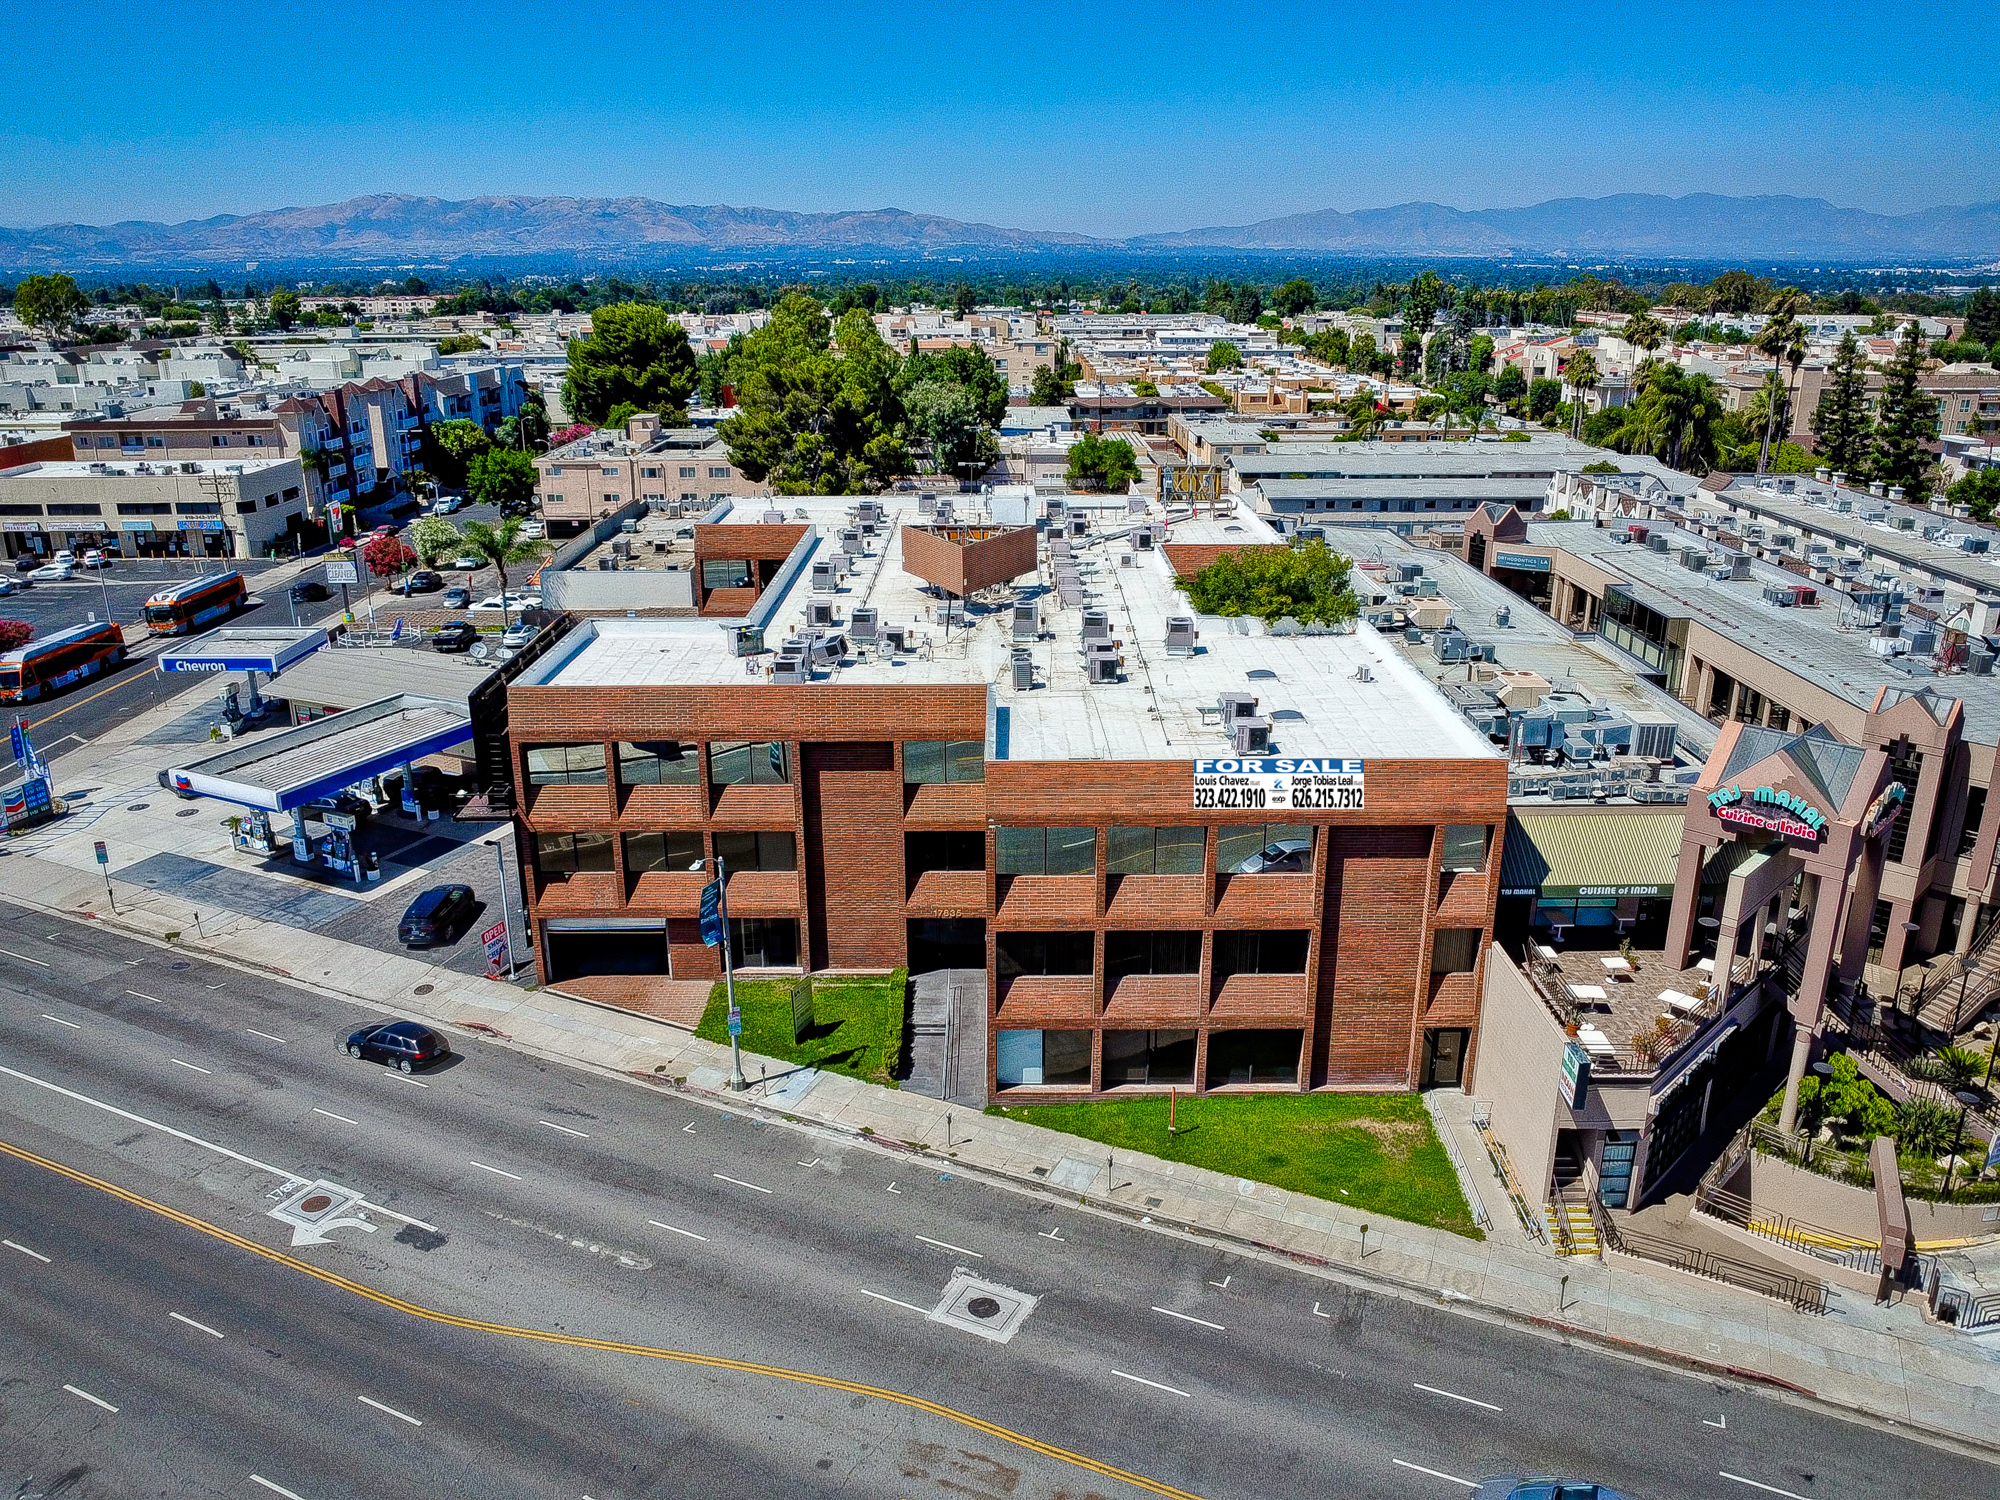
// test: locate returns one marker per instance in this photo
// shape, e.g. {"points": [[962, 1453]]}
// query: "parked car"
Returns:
{"points": [[1517, 1488], [533, 530], [467, 563], [310, 589], [53, 572], [9, 586], [439, 916], [457, 597], [454, 635], [514, 637], [95, 559], [447, 505], [26, 561], [1280, 857], [385, 529], [341, 802], [423, 581], [65, 556], [507, 601], [402, 1045]]}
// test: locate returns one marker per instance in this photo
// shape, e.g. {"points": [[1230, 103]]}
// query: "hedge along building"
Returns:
{"points": [[1165, 851]]}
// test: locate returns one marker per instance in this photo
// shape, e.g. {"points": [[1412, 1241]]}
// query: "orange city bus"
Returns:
{"points": [[68, 656], [187, 606]]}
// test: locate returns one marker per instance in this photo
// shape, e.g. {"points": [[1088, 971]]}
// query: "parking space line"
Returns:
{"points": [[61, 1022], [192, 1324], [924, 1312], [38, 963], [954, 1249], [564, 1129]]}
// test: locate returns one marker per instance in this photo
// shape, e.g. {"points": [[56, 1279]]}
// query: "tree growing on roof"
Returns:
{"points": [[1102, 463], [1306, 581]]}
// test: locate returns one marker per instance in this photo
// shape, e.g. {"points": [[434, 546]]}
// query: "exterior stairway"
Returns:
{"points": [[1572, 1228]]}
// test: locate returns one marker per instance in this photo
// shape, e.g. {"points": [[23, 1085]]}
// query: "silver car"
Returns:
{"points": [[1279, 857]]}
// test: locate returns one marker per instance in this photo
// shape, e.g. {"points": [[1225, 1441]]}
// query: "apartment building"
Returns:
{"points": [[586, 480], [975, 748]]}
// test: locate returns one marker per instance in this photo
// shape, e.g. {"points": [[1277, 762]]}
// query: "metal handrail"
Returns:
{"points": [[1801, 1293], [1496, 1152]]}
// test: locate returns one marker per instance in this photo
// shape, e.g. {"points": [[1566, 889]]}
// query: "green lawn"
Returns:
{"points": [[857, 1023], [1379, 1147]]}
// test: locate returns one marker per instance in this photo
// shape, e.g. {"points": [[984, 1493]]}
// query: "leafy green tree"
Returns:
{"points": [[1736, 292], [434, 539], [946, 417], [1102, 463], [461, 343], [1307, 581], [620, 415], [453, 445], [1420, 306], [1223, 355], [971, 370], [1543, 398], [1246, 305], [501, 547], [284, 309], [52, 304], [1294, 297], [636, 353], [963, 299], [1926, 1127], [1979, 492], [1510, 385], [1842, 429], [1908, 422], [501, 476], [1046, 389], [1479, 354]]}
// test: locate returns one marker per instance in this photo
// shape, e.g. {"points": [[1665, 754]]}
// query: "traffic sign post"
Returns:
{"points": [[104, 864], [715, 933]]}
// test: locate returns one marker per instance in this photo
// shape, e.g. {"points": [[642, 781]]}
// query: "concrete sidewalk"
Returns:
{"points": [[1886, 1362]]}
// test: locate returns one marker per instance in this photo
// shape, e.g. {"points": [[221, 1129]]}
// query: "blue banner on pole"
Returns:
{"points": [[18, 738], [711, 914]]}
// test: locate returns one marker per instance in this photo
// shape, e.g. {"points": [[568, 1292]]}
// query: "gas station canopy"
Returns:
{"points": [[266, 649], [281, 771]]}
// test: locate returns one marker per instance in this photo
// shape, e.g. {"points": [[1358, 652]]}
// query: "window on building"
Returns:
{"points": [[724, 572], [270, 502], [1975, 814], [80, 510], [141, 508], [944, 849], [156, 442], [1905, 766], [1045, 851], [764, 942], [1254, 1056], [609, 470], [658, 763], [749, 763], [1044, 953], [610, 497], [756, 851], [1454, 950], [932, 762], [1148, 1057], [1260, 953], [1264, 849], [565, 765], [1155, 851], [198, 507], [573, 853], [1465, 848], [662, 851], [687, 471], [1127, 953], [1031, 1058], [246, 507], [643, 473], [719, 471]]}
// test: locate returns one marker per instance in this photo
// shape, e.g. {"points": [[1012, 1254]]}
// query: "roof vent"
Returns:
{"points": [[1364, 673], [1024, 671]]}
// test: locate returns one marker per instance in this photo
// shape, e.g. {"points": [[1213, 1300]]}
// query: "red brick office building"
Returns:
{"points": [[935, 782]]}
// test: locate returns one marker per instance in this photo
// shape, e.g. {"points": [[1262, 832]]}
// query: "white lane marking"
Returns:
{"points": [[38, 963], [401, 1079], [149, 999], [192, 1324], [1318, 1314], [1769, 1489], [813, 1163], [495, 1170], [1051, 1234], [1721, 1422], [954, 1249], [688, 1129], [32, 1254], [61, 1022], [399, 1415], [194, 1140], [563, 1128], [739, 1182], [922, 1312], [276, 1489], [671, 1230], [1471, 1484], [1171, 1390], [1454, 1396], [93, 1400], [188, 1065], [1222, 1285], [265, 1035], [1190, 1318], [332, 1116]]}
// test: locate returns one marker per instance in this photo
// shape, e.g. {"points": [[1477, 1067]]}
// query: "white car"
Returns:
{"points": [[447, 505], [533, 530], [468, 563], [64, 556], [95, 559], [516, 636], [54, 572], [511, 601]]}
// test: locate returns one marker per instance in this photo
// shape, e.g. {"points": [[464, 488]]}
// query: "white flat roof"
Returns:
{"points": [[1313, 696], [154, 468]]}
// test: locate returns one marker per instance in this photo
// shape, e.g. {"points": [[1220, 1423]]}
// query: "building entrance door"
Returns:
{"points": [[1444, 1058]]}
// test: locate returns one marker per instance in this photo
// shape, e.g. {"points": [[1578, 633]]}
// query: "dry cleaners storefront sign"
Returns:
{"points": [[1769, 809]]}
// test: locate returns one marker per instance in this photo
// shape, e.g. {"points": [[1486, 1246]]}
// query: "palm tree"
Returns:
{"points": [[1581, 373], [1779, 339], [1675, 419], [501, 545]]}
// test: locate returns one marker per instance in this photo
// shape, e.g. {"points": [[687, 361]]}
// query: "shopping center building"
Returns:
{"points": [[1165, 850]]}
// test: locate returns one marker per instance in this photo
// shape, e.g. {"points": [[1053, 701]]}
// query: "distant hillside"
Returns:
{"points": [[392, 226]]}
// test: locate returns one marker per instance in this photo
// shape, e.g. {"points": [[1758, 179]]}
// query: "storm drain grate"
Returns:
{"points": [[983, 1308]]}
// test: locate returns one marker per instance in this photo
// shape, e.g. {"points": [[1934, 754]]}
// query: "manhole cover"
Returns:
{"points": [[425, 989], [138, 807], [984, 1308], [187, 812], [318, 1203]]}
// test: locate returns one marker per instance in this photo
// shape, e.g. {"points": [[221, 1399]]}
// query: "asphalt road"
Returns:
{"points": [[562, 1199]]}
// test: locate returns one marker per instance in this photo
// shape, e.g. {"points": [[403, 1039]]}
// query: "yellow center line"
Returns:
{"points": [[139, 676], [608, 1346]]}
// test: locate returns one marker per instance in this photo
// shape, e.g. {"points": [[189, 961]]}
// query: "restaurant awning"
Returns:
{"points": [[1569, 856]]}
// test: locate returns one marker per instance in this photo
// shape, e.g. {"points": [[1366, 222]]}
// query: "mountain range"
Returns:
{"points": [[400, 227]]}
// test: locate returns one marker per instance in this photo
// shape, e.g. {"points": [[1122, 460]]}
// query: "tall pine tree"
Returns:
{"points": [[1909, 421], [1842, 428], [1982, 317]]}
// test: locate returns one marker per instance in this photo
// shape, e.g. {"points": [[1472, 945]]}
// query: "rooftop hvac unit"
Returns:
{"points": [[746, 640], [1124, 559], [1450, 646], [1655, 739], [790, 666], [1096, 625], [1250, 736], [1778, 594], [1659, 543], [824, 578], [863, 625], [1102, 668], [1979, 663], [1142, 538], [1739, 566], [819, 613], [1693, 559], [1975, 543], [1923, 641], [898, 637], [829, 649], [850, 541], [869, 512], [1181, 635], [950, 612], [1236, 706], [1504, 617], [1078, 526], [1058, 513], [774, 518], [927, 505], [1024, 671]]}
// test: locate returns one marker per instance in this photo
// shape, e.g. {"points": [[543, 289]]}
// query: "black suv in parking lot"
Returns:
{"points": [[440, 915]]}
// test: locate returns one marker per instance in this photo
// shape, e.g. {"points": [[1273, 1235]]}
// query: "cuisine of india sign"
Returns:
{"points": [[1769, 808]]}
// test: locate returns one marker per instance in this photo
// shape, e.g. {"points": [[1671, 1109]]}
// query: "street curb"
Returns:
{"points": [[1460, 1303]]}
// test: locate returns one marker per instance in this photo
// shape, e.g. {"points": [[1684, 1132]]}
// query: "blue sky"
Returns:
{"points": [[1107, 119]]}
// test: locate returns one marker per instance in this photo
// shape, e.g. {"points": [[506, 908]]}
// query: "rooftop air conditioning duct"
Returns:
{"points": [[1100, 668], [1236, 706], [1096, 625], [1024, 671], [1250, 736]]}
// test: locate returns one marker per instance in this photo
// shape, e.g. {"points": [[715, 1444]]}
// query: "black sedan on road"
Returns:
{"points": [[403, 1045]]}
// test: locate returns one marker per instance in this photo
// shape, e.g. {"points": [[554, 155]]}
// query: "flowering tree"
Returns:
{"points": [[15, 633], [570, 434], [386, 555]]}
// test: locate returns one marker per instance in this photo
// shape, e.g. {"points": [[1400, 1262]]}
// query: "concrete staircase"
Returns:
{"points": [[1572, 1227], [948, 1036]]}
